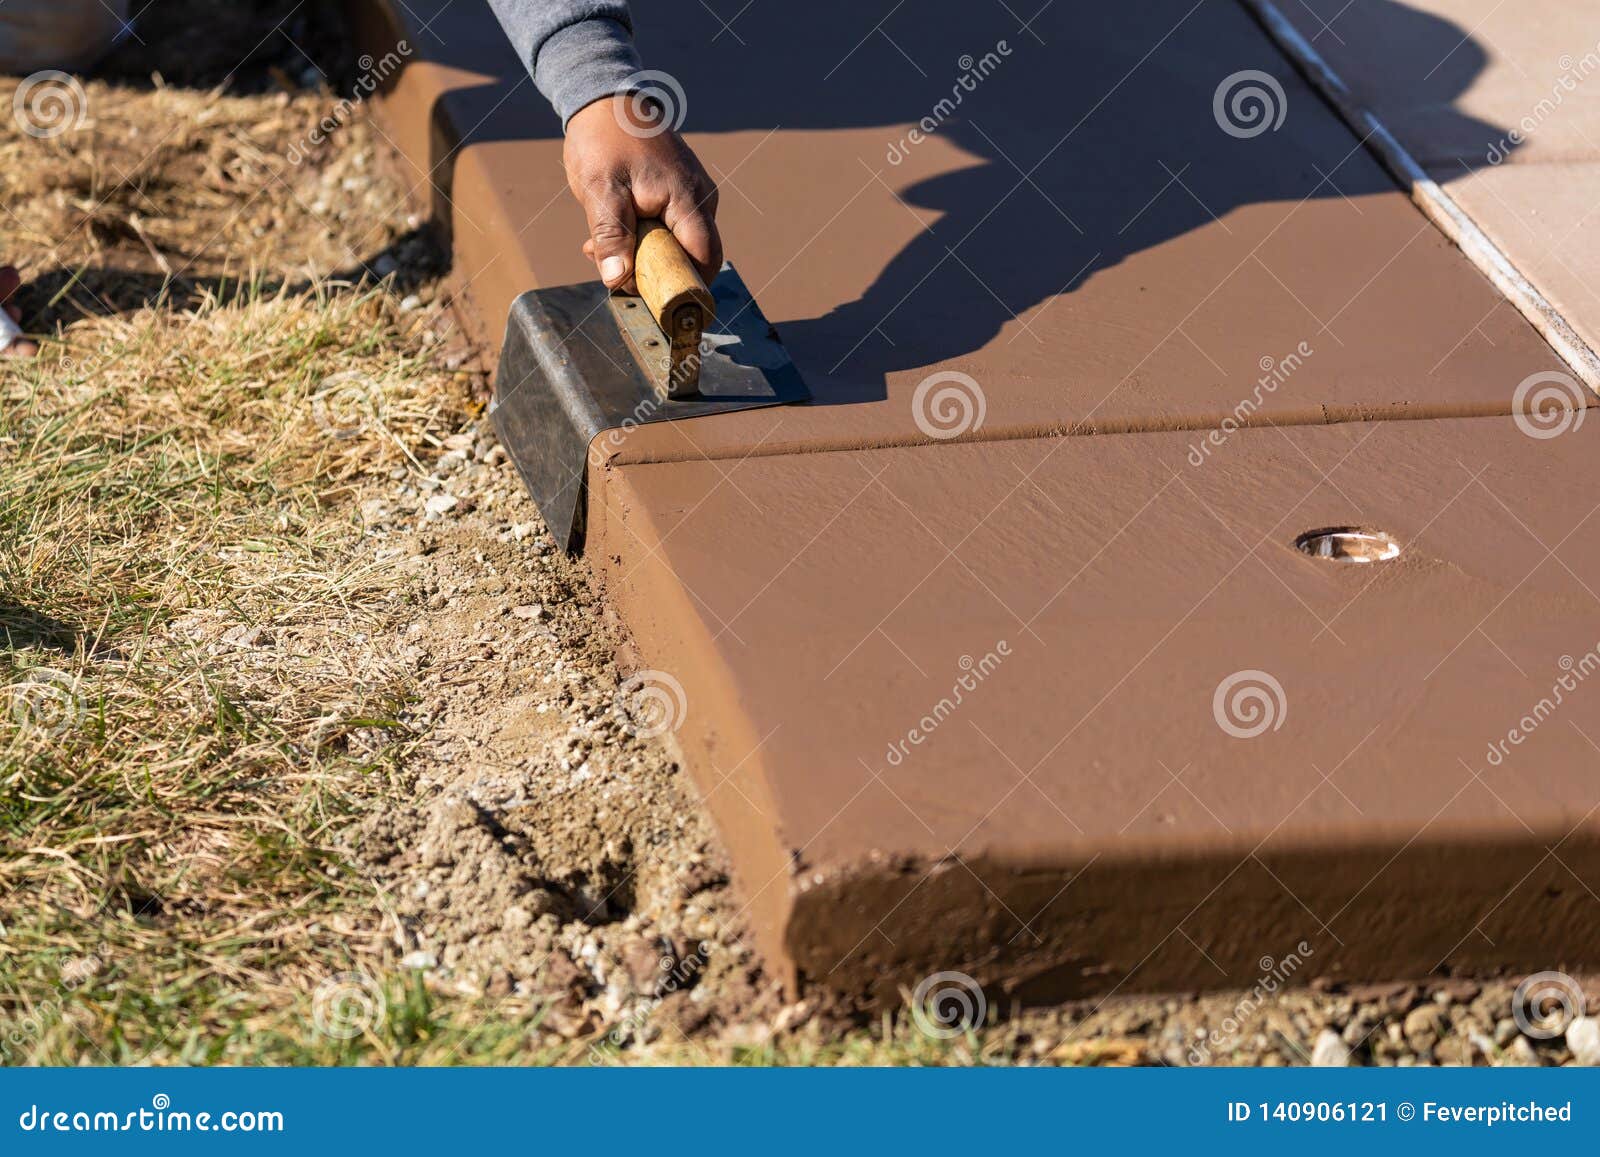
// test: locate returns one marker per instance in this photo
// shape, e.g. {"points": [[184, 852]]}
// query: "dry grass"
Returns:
{"points": [[161, 195], [180, 472], [173, 486]]}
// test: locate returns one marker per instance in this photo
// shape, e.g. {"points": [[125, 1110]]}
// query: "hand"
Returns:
{"points": [[622, 167], [9, 283]]}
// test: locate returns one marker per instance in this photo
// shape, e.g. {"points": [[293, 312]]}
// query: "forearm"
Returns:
{"points": [[577, 50]]}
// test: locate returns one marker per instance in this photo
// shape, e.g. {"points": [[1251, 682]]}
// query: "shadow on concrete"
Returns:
{"points": [[1093, 137]]}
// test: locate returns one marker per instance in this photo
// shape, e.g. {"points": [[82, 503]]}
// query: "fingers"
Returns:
{"points": [[608, 206], [619, 176], [691, 215]]}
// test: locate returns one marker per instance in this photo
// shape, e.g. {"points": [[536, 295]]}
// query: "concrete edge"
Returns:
{"points": [[719, 747]]}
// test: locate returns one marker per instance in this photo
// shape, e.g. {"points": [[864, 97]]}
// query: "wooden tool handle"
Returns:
{"points": [[678, 299], [666, 277]]}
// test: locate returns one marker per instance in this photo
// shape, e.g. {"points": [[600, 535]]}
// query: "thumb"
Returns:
{"points": [[609, 209]]}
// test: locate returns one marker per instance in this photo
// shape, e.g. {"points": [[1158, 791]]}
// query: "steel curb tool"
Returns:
{"points": [[579, 360]]}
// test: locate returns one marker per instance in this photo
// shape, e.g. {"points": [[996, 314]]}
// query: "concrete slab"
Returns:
{"points": [[1544, 217], [1159, 291], [1453, 78], [1501, 104], [956, 707], [1089, 816]]}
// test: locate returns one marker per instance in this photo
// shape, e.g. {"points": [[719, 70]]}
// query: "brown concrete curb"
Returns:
{"points": [[1083, 821], [818, 579]]}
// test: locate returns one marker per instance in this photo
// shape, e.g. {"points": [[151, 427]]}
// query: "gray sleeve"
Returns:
{"points": [[578, 51]]}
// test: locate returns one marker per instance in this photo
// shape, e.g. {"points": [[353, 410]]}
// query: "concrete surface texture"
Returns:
{"points": [[1001, 658], [1507, 111]]}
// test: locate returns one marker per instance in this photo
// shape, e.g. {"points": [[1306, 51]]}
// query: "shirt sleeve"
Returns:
{"points": [[578, 51]]}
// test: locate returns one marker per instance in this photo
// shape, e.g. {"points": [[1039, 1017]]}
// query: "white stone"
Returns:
{"points": [[1330, 1051], [1583, 1038]]}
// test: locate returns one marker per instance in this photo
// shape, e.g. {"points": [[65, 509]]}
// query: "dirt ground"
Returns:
{"points": [[317, 750], [553, 856], [503, 848]]}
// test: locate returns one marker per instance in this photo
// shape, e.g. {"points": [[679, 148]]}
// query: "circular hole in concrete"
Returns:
{"points": [[1348, 544]]}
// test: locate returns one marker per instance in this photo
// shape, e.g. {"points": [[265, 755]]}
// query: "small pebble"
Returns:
{"points": [[1520, 1054], [1330, 1051], [1424, 1025], [247, 636], [1583, 1038]]}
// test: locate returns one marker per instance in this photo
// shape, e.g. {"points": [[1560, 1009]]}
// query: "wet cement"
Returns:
{"points": [[1080, 821], [1145, 270], [955, 690]]}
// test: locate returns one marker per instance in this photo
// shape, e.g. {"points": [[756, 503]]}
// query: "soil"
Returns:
{"points": [[551, 854], [1402, 1024]]}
